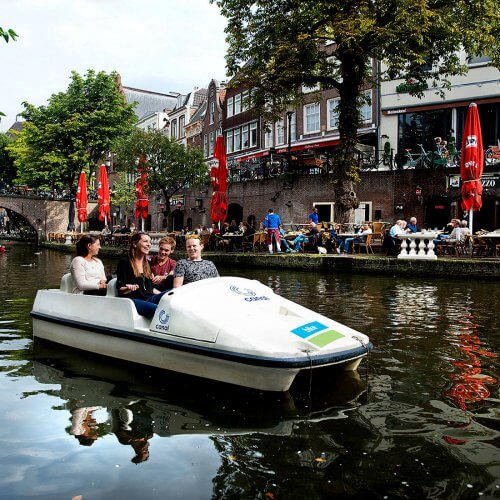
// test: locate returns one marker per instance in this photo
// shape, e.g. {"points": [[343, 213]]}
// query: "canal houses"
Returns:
{"points": [[286, 165]]}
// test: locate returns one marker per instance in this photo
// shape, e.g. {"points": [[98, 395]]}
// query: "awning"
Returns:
{"points": [[284, 150]]}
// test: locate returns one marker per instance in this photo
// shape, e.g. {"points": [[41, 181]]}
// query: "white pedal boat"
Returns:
{"points": [[228, 329]]}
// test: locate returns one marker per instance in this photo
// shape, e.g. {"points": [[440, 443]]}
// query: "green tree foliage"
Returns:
{"points": [[277, 46], [7, 35], [72, 132], [123, 192], [7, 169], [171, 166]]}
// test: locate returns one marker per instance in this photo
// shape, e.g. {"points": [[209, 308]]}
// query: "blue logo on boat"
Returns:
{"points": [[242, 291], [163, 317], [309, 329]]}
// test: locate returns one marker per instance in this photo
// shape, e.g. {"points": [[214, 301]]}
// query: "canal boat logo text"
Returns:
{"points": [[242, 291], [163, 318]]}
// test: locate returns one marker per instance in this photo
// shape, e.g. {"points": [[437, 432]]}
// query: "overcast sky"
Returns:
{"points": [[158, 45]]}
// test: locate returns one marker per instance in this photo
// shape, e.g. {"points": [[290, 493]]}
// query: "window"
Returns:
{"points": [[212, 112], [335, 68], [308, 90], [244, 101], [280, 132], [268, 138], [311, 118], [229, 141], [237, 104], [212, 142], [173, 129], [205, 145], [182, 121], [244, 137], [253, 134], [230, 104], [293, 127], [332, 106], [366, 108], [363, 213], [237, 139], [479, 60]]}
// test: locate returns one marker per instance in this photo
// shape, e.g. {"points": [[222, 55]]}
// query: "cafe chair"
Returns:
{"points": [[367, 245]]}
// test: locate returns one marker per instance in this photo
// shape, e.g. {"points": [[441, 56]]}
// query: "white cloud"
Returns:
{"points": [[160, 45]]}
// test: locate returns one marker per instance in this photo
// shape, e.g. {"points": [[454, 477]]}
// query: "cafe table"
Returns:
{"points": [[420, 246]]}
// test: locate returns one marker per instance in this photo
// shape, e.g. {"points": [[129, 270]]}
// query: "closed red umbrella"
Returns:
{"points": [[81, 198], [103, 194], [142, 192], [471, 161], [218, 177]]}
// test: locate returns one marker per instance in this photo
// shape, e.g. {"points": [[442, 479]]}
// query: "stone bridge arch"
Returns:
{"points": [[42, 214]]}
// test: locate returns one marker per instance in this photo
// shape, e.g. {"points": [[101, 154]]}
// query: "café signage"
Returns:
{"points": [[178, 199], [487, 180]]}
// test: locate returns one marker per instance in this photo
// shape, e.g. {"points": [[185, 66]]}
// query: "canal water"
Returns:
{"points": [[420, 419]]}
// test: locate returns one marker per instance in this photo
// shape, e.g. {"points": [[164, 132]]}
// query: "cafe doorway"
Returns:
{"points": [[437, 212]]}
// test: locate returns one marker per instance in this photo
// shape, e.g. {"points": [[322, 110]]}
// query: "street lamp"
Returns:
{"points": [[289, 113]]}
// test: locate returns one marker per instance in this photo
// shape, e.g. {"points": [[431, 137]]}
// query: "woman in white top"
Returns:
{"points": [[86, 269]]}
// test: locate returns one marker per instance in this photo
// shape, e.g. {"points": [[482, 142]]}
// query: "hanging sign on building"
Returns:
{"points": [[177, 199], [487, 180]]}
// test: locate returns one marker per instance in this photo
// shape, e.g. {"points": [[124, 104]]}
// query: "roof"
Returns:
{"points": [[199, 97], [200, 113], [149, 102]]}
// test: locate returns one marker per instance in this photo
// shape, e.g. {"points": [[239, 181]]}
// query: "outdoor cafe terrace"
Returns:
{"points": [[416, 246]]}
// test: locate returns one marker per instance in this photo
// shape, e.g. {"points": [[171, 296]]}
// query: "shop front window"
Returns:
{"points": [[422, 128]]}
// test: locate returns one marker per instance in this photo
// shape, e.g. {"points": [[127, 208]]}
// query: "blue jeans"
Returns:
{"points": [[347, 243], [298, 240], [147, 307]]}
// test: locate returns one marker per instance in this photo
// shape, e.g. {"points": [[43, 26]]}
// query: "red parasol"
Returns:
{"points": [[142, 191], [81, 198], [103, 194], [471, 161], [218, 177]]}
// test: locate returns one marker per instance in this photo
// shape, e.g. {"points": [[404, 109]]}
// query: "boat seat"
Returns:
{"points": [[111, 288], [67, 284]]}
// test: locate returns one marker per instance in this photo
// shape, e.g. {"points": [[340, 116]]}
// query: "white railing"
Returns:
{"points": [[420, 246]]}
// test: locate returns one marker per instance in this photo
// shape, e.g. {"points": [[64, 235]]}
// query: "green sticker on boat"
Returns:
{"points": [[325, 338]]}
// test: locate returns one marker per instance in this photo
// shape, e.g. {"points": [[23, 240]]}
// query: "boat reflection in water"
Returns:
{"points": [[134, 403]]}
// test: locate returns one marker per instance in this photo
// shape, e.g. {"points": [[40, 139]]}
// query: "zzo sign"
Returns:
{"points": [[487, 181]]}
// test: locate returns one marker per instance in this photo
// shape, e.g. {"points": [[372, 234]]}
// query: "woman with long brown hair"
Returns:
{"points": [[86, 269], [134, 276]]}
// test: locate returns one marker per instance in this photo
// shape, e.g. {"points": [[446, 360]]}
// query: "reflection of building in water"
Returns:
{"points": [[413, 301]]}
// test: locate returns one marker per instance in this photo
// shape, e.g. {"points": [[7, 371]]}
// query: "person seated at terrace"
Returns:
{"points": [[306, 237], [392, 243], [411, 226], [284, 242], [456, 235], [135, 279], [365, 230], [86, 269], [333, 242]]}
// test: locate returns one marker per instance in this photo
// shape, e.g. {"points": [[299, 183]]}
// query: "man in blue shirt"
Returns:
{"points": [[412, 225], [272, 223], [313, 216]]}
